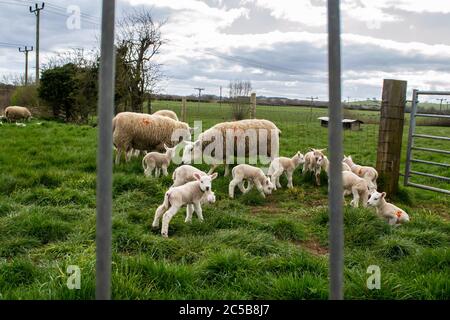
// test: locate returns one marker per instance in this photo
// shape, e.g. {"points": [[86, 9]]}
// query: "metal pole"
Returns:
{"points": [[104, 153], [335, 147], [412, 125]]}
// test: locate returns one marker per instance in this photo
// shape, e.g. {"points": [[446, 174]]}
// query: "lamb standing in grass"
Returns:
{"points": [[184, 174], [254, 176], [281, 165], [158, 161], [192, 194], [368, 173], [393, 215], [310, 164], [352, 184]]}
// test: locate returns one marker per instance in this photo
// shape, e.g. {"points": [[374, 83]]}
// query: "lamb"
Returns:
{"points": [[281, 165], [184, 174], [263, 140], [146, 132], [192, 194], [14, 113], [166, 113], [352, 184], [324, 164], [368, 173], [310, 164], [393, 215], [158, 161], [254, 176]]}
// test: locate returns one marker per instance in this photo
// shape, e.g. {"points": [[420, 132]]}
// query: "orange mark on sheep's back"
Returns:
{"points": [[146, 121], [360, 172], [398, 214]]}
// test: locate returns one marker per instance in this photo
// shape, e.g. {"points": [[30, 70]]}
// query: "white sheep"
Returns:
{"points": [[368, 173], [281, 165], [352, 184], [250, 137], [192, 194], [158, 161], [324, 164], [166, 113], [14, 113], [252, 175], [184, 174], [309, 165], [393, 214], [146, 132]]}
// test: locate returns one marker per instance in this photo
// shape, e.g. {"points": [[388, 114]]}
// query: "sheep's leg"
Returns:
{"points": [[198, 211], [213, 167], [277, 174], [157, 171], [166, 220], [260, 188], [249, 186], [127, 156], [365, 198], [232, 185], [355, 201], [317, 174], [118, 154], [164, 170], [158, 214], [189, 211], [241, 186], [289, 177]]}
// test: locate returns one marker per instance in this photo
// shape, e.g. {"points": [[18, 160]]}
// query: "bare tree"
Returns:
{"points": [[138, 40], [240, 98]]}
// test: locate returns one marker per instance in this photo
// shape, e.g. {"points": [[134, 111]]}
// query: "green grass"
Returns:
{"points": [[247, 248]]}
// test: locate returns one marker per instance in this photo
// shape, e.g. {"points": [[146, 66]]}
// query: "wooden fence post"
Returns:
{"points": [[390, 134], [183, 109], [253, 105]]}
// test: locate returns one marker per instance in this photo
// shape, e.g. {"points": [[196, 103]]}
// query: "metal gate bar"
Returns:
{"points": [[411, 147]]}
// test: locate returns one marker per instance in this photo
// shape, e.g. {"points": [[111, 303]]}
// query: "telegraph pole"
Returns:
{"points": [[199, 94], [312, 104], [36, 12], [26, 50], [441, 100]]}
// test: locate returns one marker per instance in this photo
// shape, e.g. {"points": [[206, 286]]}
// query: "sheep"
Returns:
{"points": [[311, 158], [281, 165], [158, 161], [146, 132], [254, 176], [352, 184], [184, 174], [368, 173], [393, 214], [324, 164], [166, 113], [14, 113], [192, 194], [229, 139]]}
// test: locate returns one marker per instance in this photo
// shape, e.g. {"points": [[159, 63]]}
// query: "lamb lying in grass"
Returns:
{"points": [[281, 165], [184, 174], [192, 194], [365, 172], [253, 175], [158, 161], [393, 215], [352, 184]]}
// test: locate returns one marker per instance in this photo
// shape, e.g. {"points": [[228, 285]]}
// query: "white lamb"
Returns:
{"points": [[368, 173], [158, 161], [324, 164], [309, 165], [352, 184], [281, 165], [253, 175], [184, 174], [192, 194], [393, 215]]}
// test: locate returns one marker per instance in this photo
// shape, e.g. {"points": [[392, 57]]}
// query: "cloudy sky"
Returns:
{"points": [[279, 45]]}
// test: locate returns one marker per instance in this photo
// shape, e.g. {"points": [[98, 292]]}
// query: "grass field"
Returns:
{"points": [[248, 248]]}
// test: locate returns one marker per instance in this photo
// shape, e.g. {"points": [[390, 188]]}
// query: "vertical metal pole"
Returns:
{"points": [[412, 126], [104, 153], [336, 236]]}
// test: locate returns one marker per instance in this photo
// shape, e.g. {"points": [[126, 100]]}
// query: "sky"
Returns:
{"points": [[280, 46]]}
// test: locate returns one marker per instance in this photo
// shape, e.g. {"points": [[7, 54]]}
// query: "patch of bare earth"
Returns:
{"points": [[313, 247]]}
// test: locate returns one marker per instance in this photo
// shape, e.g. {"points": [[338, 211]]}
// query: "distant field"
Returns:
{"points": [[248, 248]]}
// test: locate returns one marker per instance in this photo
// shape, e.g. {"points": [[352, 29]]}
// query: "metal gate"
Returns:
{"points": [[411, 147]]}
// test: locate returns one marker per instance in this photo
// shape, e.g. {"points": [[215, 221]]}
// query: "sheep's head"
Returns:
{"points": [[375, 198], [205, 180], [268, 186], [318, 153], [300, 157], [192, 151], [170, 151]]}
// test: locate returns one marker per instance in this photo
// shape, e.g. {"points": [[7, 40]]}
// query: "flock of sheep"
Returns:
{"points": [[134, 133]]}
